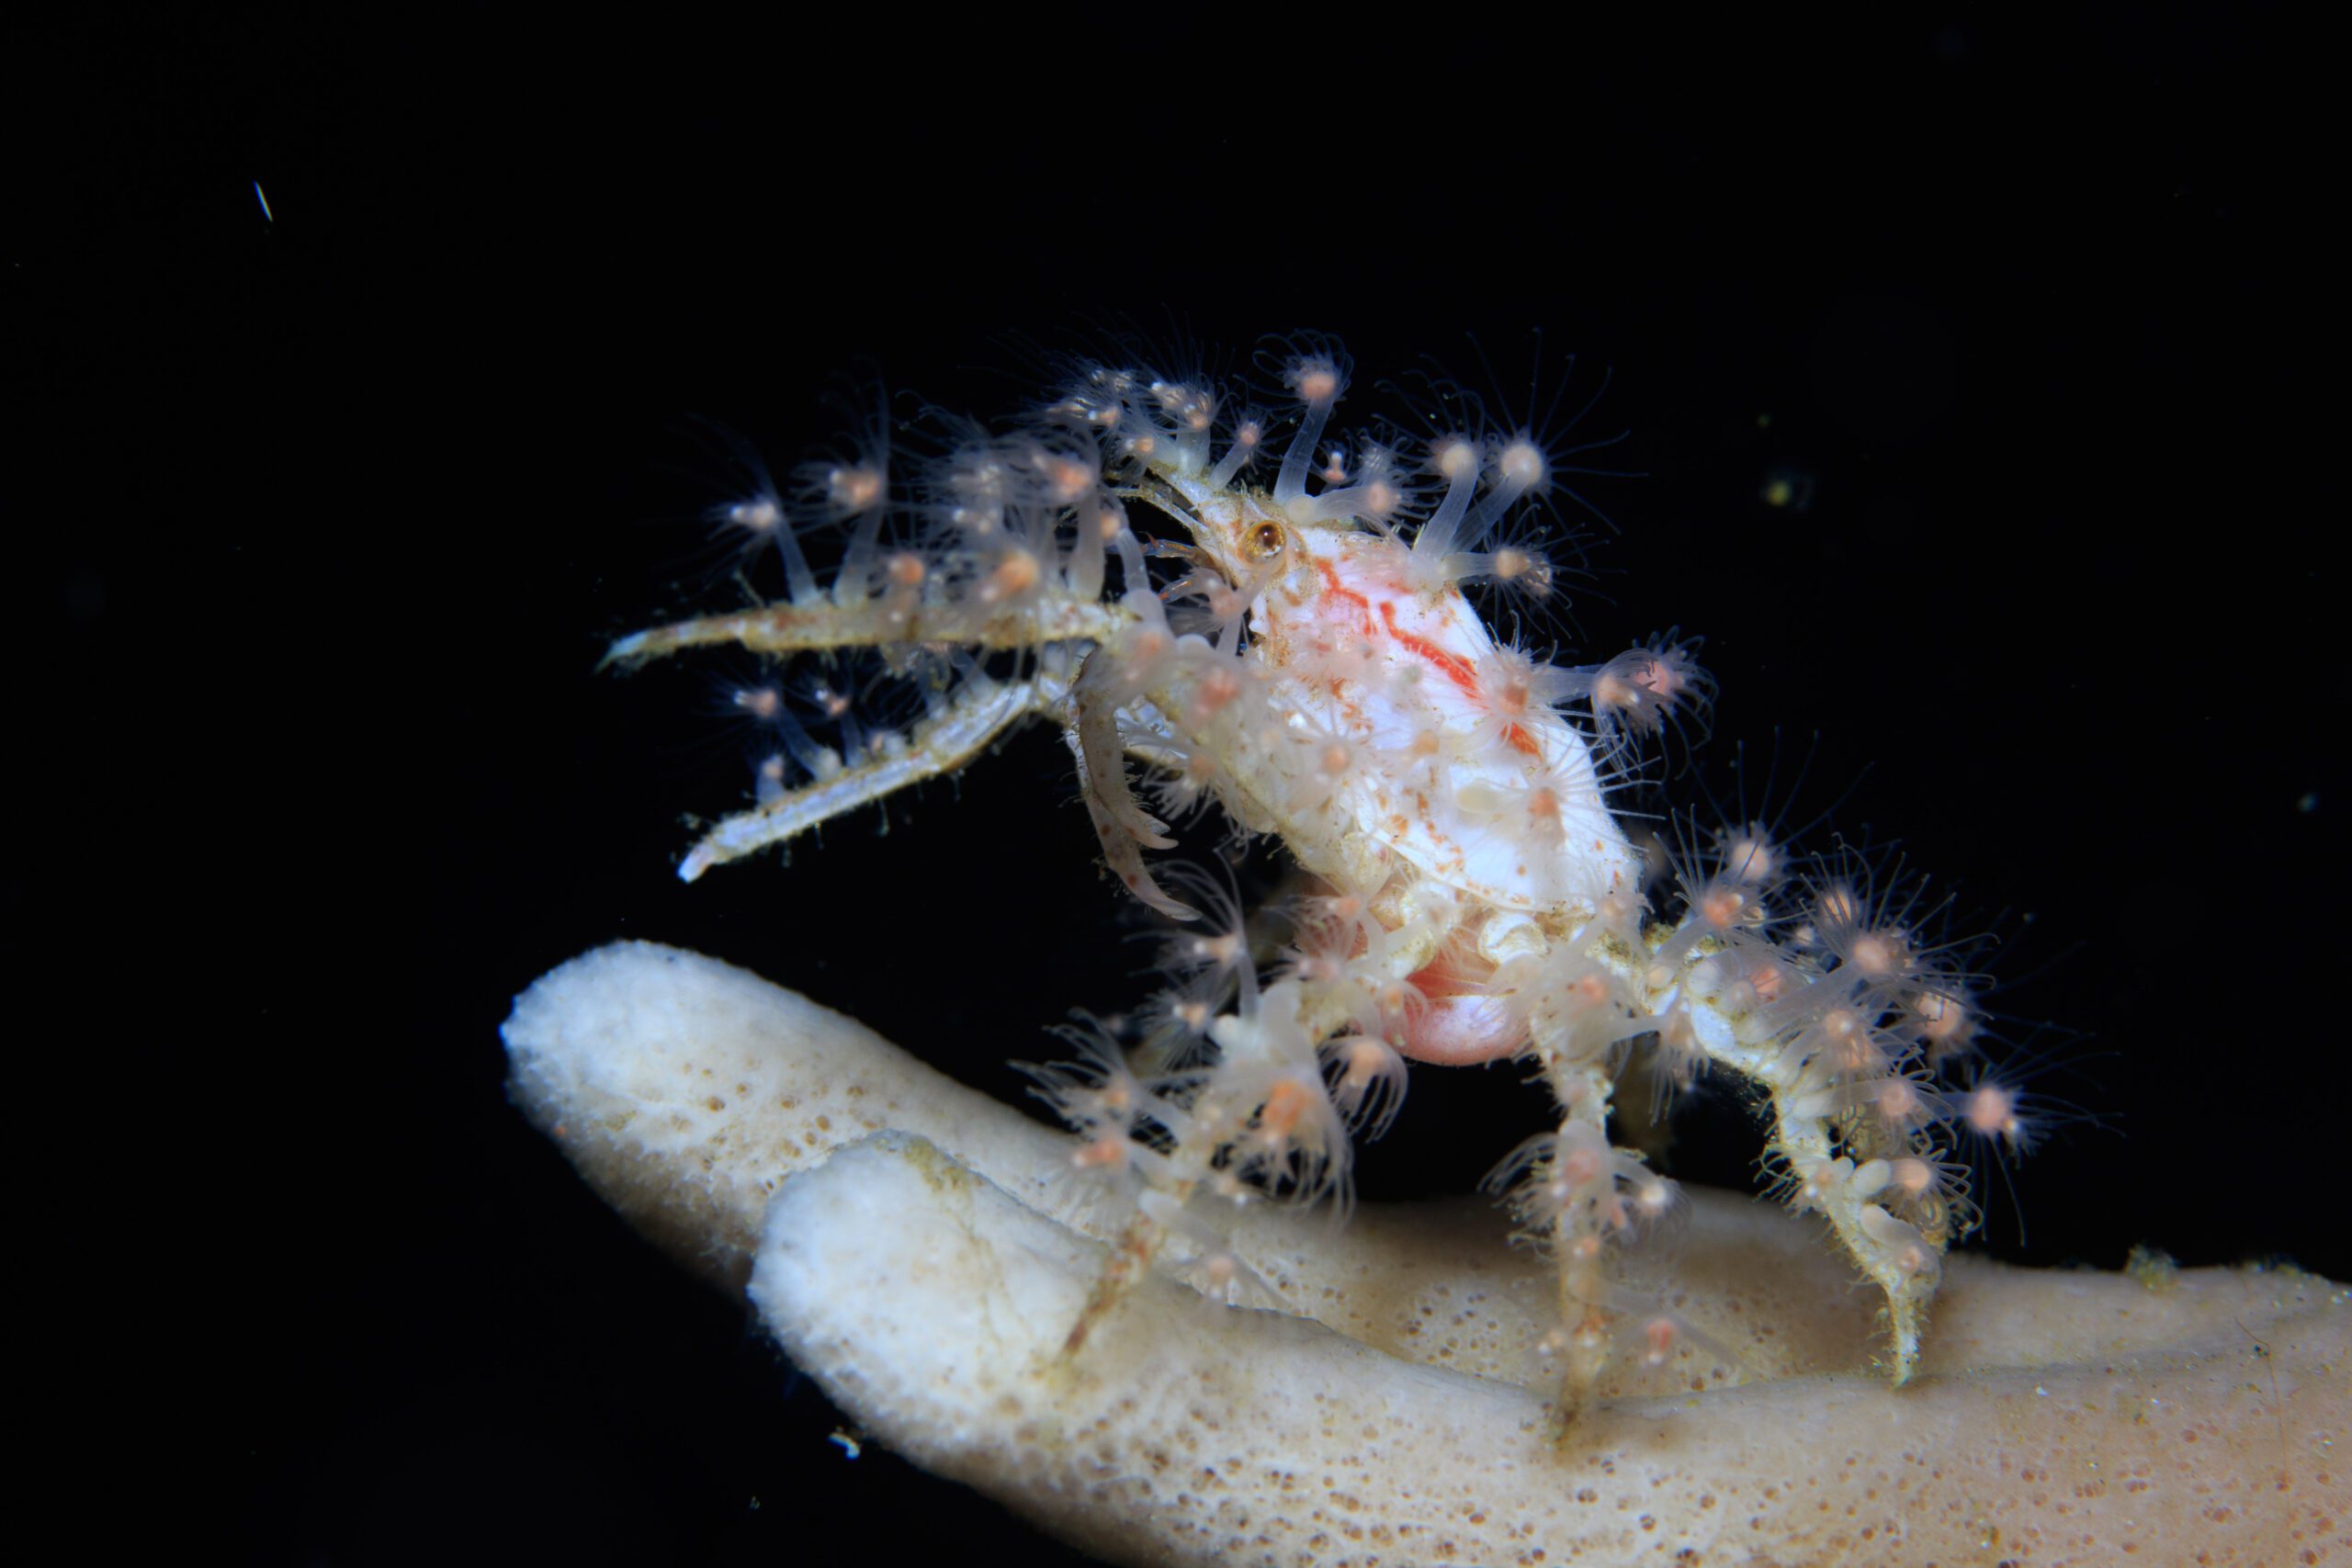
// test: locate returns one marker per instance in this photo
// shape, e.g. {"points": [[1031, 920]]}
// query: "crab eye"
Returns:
{"points": [[1264, 542]]}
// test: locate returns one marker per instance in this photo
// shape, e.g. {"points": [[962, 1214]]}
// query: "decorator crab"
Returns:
{"points": [[1302, 654]]}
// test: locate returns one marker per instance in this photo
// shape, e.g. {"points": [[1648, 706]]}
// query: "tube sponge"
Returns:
{"points": [[918, 1250]]}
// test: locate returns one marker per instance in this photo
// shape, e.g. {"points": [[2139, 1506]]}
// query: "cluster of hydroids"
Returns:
{"points": [[1303, 657]]}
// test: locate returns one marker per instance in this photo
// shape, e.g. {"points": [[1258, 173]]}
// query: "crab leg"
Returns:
{"points": [[963, 725], [1121, 827], [958, 729], [818, 624]]}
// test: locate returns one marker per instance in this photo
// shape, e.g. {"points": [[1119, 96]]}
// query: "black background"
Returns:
{"points": [[348, 501]]}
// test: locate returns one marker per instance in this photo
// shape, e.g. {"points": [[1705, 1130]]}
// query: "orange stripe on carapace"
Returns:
{"points": [[1454, 667], [1332, 585]]}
